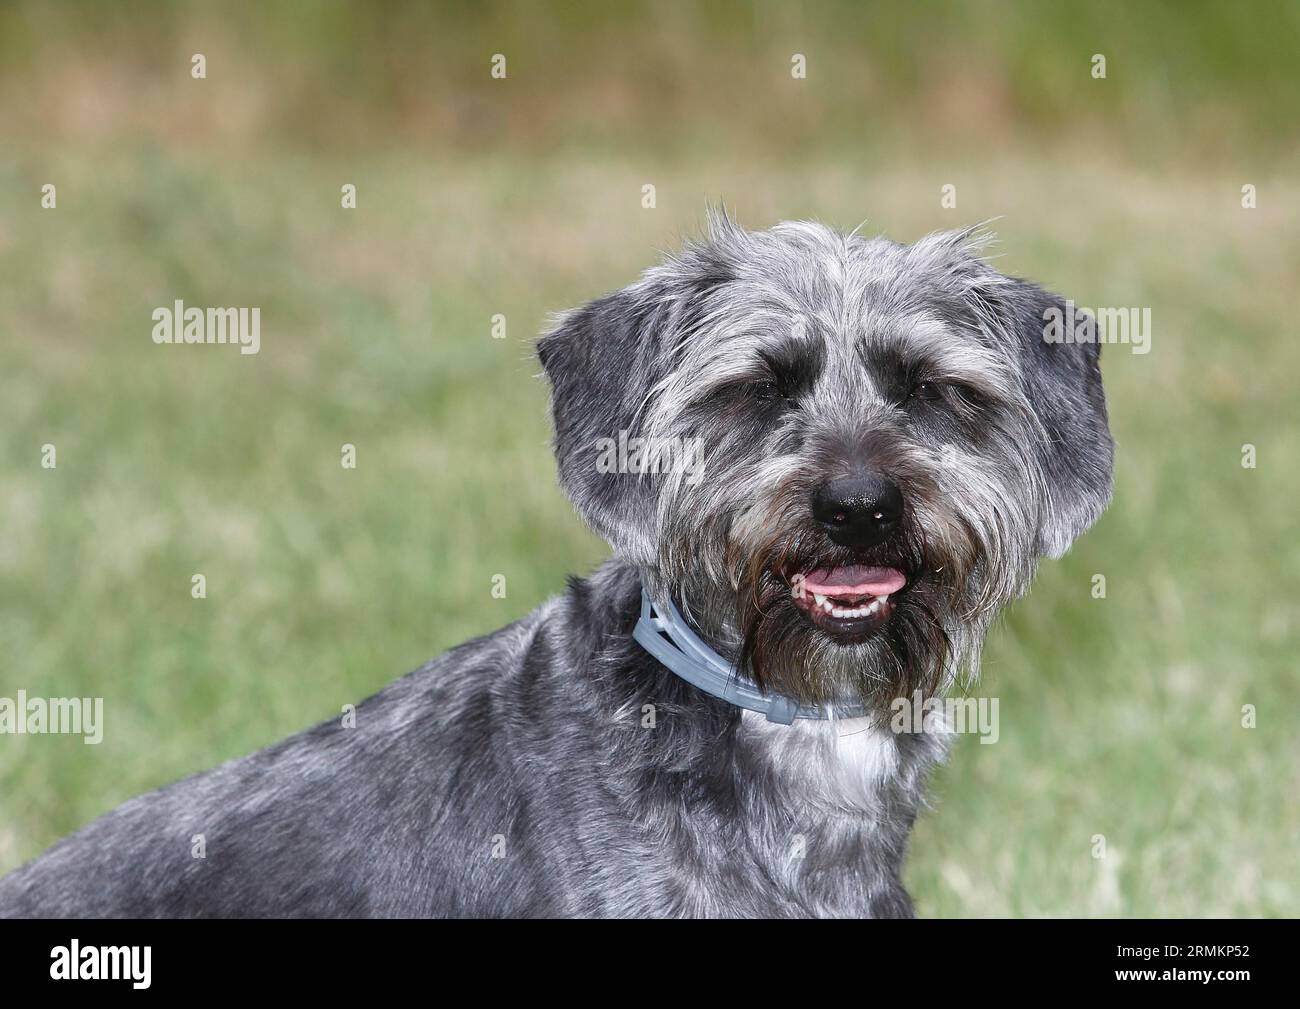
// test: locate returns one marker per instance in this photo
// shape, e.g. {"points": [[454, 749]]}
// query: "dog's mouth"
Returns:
{"points": [[851, 601]]}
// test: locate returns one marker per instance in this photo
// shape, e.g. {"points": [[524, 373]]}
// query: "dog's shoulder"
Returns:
{"points": [[303, 825]]}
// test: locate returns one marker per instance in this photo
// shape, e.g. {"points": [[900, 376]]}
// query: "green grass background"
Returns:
{"points": [[1119, 716]]}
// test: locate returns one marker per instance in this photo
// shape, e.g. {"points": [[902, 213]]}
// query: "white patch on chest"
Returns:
{"points": [[841, 763]]}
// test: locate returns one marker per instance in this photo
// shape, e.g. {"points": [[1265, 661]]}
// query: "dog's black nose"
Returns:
{"points": [[858, 511]]}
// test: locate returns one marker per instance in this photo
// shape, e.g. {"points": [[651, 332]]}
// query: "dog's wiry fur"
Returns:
{"points": [[789, 354]]}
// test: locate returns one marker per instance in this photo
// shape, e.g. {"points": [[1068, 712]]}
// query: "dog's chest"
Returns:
{"points": [[824, 813], [842, 765]]}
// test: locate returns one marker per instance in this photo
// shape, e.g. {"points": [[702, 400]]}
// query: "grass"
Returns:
{"points": [[1120, 716]]}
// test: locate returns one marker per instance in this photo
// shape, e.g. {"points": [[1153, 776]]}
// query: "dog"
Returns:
{"points": [[702, 726]]}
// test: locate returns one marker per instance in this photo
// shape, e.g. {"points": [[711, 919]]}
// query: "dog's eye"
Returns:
{"points": [[926, 391], [769, 391]]}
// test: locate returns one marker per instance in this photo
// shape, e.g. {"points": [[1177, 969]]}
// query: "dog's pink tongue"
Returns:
{"points": [[854, 580]]}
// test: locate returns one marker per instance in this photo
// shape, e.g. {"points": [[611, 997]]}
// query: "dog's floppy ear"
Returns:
{"points": [[1063, 384], [605, 362], [1061, 380], [601, 363]]}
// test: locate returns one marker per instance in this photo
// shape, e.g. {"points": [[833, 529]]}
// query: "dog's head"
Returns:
{"points": [[841, 455]]}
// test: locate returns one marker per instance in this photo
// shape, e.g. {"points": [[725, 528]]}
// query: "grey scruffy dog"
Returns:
{"points": [[889, 445]]}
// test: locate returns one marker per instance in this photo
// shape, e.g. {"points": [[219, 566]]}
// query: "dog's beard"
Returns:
{"points": [[787, 653], [734, 564]]}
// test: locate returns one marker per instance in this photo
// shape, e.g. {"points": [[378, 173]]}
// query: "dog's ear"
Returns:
{"points": [[601, 361], [606, 362], [1062, 382]]}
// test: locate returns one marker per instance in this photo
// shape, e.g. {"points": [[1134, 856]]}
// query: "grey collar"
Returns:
{"points": [[664, 633]]}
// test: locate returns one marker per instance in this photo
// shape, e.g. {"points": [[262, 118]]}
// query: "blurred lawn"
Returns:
{"points": [[1119, 717]]}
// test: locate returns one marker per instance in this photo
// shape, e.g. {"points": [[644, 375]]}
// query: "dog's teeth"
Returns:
{"points": [[850, 612]]}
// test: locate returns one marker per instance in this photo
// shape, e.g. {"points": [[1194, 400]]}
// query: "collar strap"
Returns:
{"points": [[664, 633]]}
